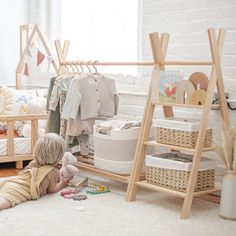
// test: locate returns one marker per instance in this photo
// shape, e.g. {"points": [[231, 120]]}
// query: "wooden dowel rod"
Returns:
{"points": [[110, 63], [173, 63], [188, 63]]}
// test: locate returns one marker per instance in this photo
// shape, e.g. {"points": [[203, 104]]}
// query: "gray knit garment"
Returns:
{"points": [[92, 97]]}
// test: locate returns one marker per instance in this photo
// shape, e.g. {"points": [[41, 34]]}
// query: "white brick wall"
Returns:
{"points": [[187, 22]]}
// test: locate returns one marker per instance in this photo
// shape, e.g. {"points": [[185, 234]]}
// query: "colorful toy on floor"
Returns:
{"points": [[66, 192], [81, 184], [97, 189], [79, 197]]}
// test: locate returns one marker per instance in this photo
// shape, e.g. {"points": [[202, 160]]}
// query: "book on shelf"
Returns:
{"points": [[164, 85]]}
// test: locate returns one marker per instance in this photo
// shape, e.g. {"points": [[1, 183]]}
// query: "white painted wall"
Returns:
{"points": [[13, 14]]}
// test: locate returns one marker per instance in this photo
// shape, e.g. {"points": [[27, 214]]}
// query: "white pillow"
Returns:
{"points": [[14, 102]]}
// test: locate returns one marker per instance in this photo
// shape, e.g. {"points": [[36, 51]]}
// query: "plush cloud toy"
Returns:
{"points": [[34, 106], [68, 169]]}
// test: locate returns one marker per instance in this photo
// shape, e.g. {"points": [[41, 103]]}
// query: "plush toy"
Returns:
{"points": [[68, 169], [34, 106]]}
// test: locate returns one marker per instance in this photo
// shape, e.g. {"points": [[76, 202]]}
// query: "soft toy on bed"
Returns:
{"points": [[68, 170], [34, 106]]}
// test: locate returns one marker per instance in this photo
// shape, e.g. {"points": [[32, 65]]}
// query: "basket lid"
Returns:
{"points": [[178, 124], [177, 161]]}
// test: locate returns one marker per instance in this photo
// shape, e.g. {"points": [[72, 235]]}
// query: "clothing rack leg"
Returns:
{"points": [[215, 75], [159, 48]]}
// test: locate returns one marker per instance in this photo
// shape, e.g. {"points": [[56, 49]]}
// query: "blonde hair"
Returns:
{"points": [[49, 149]]}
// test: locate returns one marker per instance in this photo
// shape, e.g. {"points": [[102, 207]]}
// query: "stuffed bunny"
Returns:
{"points": [[68, 170]]}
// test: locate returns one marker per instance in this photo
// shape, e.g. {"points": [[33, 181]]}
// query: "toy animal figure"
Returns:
{"points": [[68, 169]]}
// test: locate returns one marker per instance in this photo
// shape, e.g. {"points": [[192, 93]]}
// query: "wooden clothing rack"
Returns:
{"points": [[62, 52], [159, 47]]}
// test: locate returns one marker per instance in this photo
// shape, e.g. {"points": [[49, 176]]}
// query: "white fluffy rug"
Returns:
{"points": [[106, 214]]}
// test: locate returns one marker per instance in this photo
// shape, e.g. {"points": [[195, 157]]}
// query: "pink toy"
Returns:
{"points": [[66, 192], [68, 169]]}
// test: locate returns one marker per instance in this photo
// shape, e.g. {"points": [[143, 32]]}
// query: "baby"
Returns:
{"points": [[40, 177]]}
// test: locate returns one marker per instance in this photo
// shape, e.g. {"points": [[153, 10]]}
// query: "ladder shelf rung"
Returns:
{"points": [[178, 148], [213, 106], [175, 192], [159, 188], [92, 168]]}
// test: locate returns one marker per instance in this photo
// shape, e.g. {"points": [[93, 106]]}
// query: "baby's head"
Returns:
{"points": [[49, 149]]}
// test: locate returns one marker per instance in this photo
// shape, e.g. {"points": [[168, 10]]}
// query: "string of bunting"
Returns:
{"points": [[40, 58]]}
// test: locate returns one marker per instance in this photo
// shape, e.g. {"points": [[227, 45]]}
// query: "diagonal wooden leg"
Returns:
{"points": [[140, 148], [214, 77], [198, 149], [159, 47]]}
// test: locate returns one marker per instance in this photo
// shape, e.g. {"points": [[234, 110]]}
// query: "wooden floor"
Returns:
{"points": [[8, 169]]}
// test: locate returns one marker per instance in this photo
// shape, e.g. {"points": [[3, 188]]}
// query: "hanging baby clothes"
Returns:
{"points": [[58, 97], [56, 104], [83, 90], [53, 125], [92, 97], [77, 129]]}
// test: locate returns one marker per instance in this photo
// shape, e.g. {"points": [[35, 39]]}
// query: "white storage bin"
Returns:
{"points": [[115, 150], [118, 146], [116, 167]]}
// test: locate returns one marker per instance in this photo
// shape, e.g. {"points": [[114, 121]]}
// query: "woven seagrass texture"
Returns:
{"points": [[182, 138], [178, 179]]}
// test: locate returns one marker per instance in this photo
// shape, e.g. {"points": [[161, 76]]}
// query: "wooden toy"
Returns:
{"points": [[184, 90], [198, 97], [199, 80]]}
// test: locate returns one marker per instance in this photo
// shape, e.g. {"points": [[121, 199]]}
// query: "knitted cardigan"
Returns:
{"points": [[92, 97]]}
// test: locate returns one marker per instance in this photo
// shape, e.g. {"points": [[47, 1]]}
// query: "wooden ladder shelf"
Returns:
{"points": [[159, 48]]}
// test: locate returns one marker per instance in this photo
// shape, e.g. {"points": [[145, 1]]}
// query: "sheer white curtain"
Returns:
{"points": [[46, 13], [105, 30]]}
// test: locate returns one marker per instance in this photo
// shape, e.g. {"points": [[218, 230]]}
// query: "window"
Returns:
{"points": [[104, 30]]}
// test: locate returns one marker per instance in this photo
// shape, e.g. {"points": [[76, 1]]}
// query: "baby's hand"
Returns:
{"points": [[65, 180]]}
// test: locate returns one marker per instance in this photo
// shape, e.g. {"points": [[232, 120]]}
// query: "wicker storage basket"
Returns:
{"points": [[180, 132], [177, 179]]}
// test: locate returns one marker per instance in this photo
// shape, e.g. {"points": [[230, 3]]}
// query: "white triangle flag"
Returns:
{"points": [[28, 52], [50, 59]]}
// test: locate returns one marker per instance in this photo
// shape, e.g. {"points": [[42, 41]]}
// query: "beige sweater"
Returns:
{"points": [[92, 97]]}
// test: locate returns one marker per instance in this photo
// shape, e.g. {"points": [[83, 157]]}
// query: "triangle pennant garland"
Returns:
{"points": [[26, 70], [28, 52], [40, 58], [50, 59]]}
